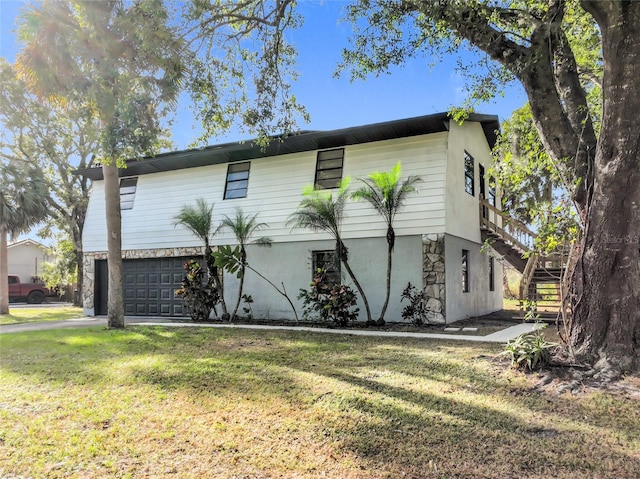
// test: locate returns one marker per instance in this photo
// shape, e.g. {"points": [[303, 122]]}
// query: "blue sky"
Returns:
{"points": [[416, 89]]}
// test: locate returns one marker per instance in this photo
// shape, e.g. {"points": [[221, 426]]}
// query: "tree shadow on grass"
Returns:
{"points": [[402, 429]]}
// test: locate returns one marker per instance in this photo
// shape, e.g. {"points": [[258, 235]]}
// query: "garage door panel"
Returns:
{"points": [[150, 284]]}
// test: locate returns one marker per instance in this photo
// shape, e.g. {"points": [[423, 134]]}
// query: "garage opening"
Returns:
{"points": [[149, 286]]}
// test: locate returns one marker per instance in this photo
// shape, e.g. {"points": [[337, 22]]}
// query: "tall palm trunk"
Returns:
{"points": [[216, 276], [341, 249], [240, 288], [381, 321]]}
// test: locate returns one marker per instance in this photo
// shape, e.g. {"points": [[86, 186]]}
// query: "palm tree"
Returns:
{"points": [[387, 195], [23, 203], [125, 62], [322, 211], [243, 227], [199, 220]]}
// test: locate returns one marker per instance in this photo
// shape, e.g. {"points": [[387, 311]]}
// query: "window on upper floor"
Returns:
{"points": [[329, 169], [128, 188], [492, 191], [469, 186], [465, 271], [327, 262], [237, 180]]}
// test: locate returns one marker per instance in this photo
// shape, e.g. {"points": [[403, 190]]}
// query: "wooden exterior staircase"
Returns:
{"points": [[542, 276]]}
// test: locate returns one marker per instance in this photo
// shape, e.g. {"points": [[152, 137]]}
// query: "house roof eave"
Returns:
{"points": [[295, 143]]}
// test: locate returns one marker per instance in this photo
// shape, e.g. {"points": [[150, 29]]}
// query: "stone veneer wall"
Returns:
{"points": [[89, 262], [433, 277]]}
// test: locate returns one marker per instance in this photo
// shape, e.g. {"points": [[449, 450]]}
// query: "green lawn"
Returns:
{"points": [[42, 313], [223, 403]]}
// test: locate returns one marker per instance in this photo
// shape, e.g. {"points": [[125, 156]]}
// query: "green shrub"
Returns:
{"points": [[529, 351], [329, 302], [199, 293], [416, 310]]}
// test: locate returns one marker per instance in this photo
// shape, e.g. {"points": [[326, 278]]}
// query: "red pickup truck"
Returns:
{"points": [[34, 293]]}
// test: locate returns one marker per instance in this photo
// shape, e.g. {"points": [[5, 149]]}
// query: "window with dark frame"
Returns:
{"points": [[469, 185], [329, 169], [492, 191], [492, 283], [128, 188], [326, 261], [465, 271], [237, 180]]}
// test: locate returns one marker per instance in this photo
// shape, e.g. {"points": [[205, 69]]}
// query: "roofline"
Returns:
{"points": [[26, 241], [295, 143]]}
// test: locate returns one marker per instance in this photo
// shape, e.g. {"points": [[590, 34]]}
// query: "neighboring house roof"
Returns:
{"points": [[26, 242], [295, 143]]}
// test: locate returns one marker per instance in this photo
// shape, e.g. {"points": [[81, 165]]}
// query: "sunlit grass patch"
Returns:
{"points": [[43, 313], [161, 402]]}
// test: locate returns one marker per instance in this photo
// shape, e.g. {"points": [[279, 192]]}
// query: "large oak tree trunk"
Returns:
{"points": [[606, 325], [115, 300]]}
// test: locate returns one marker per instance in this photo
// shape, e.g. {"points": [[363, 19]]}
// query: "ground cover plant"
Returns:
{"points": [[223, 403], [33, 315]]}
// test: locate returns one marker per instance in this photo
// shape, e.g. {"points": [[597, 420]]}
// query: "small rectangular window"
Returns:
{"points": [[465, 271], [328, 262], [492, 284], [237, 180], [329, 169], [469, 186], [128, 188], [492, 191]]}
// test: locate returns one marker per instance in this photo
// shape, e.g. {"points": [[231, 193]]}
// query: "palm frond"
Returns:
{"points": [[198, 219], [244, 226], [384, 192], [321, 210]]}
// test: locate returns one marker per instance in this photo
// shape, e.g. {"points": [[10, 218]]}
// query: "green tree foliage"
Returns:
{"points": [[128, 61], [23, 203], [122, 61], [244, 226], [322, 210], [533, 190], [569, 56], [57, 140], [387, 195], [62, 269]]}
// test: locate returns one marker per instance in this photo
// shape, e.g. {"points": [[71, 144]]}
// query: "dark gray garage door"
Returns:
{"points": [[149, 287]]}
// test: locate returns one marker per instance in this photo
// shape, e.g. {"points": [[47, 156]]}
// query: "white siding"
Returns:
{"points": [[275, 187], [463, 210]]}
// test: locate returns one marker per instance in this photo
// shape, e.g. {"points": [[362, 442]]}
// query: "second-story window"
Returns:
{"points": [[468, 174], [492, 191], [237, 180], [329, 169], [128, 188]]}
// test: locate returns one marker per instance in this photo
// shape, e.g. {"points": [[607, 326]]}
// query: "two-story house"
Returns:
{"points": [[438, 234]]}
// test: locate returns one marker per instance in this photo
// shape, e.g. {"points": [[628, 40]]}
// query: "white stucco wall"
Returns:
{"points": [[479, 300], [291, 264]]}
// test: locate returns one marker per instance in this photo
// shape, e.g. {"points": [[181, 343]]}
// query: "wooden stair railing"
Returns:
{"points": [[509, 229], [527, 275]]}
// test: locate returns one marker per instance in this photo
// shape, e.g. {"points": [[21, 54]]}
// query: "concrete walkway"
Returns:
{"points": [[498, 337]]}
